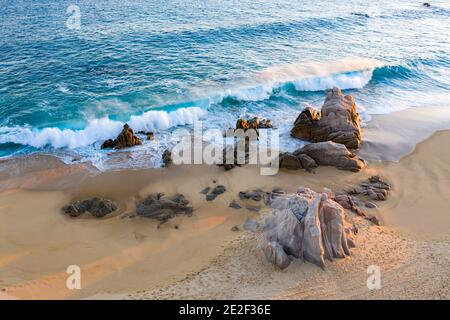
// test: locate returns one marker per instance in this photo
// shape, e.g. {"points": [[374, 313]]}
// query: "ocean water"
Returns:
{"points": [[159, 65]]}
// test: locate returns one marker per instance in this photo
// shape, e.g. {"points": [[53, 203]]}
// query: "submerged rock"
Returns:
{"points": [[98, 207], [124, 140], [307, 225], [157, 206], [338, 121], [149, 134]]}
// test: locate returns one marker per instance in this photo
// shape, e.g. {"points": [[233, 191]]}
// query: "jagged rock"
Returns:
{"points": [[307, 225], [290, 161], [125, 139], [332, 154], [161, 208], [253, 123], [276, 255], [167, 158], [98, 207], [215, 192], [338, 121]]}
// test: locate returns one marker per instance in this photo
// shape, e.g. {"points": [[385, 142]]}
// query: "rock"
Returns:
{"points": [[251, 225], [256, 195], [370, 205], [307, 162], [338, 121], [235, 228], [290, 161], [276, 255], [215, 192], [98, 207], [161, 208], [124, 140], [374, 220], [167, 158], [108, 144], [150, 135], [233, 204], [253, 123], [253, 208], [206, 190], [307, 225], [332, 154]]}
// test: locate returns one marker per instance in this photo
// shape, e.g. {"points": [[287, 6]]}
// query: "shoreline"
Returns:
{"points": [[122, 257]]}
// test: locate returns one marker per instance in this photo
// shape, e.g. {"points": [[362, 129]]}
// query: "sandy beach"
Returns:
{"points": [[200, 256]]}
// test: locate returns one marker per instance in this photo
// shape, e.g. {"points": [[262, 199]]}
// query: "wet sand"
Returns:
{"points": [[124, 257]]}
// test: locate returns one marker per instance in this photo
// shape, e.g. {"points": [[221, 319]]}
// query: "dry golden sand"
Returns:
{"points": [[132, 258]]}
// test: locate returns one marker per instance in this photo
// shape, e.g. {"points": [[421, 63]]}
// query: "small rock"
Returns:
{"points": [[251, 225], [235, 228], [206, 190], [234, 205], [167, 158], [374, 220], [215, 192], [370, 205], [161, 208], [98, 207], [252, 208]]}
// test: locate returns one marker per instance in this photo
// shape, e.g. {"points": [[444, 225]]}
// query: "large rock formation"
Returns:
{"points": [[96, 206], [322, 154], [338, 121], [161, 208], [124, 140], [306, 225]]}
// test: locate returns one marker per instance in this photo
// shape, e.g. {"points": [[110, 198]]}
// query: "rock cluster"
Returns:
{"points": [[306, 225], [98, 207], [338, 121], [353, 198], [125, 139], [321, 153], [157, 206], [253, 123], [375, 189]]}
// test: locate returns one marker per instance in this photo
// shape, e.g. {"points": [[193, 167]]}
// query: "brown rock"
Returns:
{"points": [[167, 158], [338, 121], [124, 140], [332, 154], [290, 161]]}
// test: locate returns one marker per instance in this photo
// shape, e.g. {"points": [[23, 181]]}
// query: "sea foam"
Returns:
{"points": [[348, 73], [98, 129]]}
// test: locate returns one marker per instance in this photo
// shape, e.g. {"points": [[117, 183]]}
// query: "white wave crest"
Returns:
{"points": [[98, 129], [348, 73]]}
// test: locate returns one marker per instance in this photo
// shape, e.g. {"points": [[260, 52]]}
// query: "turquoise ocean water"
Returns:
{"points": [[160, 64]]}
